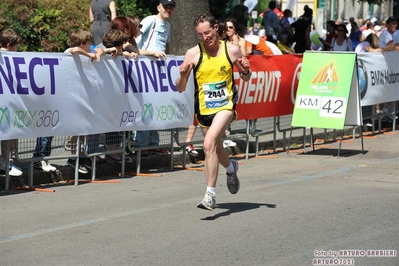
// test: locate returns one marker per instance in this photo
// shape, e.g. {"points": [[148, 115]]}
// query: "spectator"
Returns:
{"points": [[240, 13], [125, 24], [341, 42], [349, 25], [256, 45], [278, 10], [372, 44], [155, 36], [255, 30], [368, 30], [270, 23], [234, 35], [386, 38], [362, 24], [9, 41], [130, 25], [355, 35], [302, 31], [43, 149], [114, 39], [330, 35], [190, 135], [387, 35], [222, 30], [214, 120], [286, 35], [79, 41], [101, 13]]}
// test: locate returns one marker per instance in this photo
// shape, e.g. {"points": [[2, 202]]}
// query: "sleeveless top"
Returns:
{"points": [[214, 82], [100, 9]]}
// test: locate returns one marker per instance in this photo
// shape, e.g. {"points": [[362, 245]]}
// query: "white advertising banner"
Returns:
{"points": [[378, 77], [57, 94]]}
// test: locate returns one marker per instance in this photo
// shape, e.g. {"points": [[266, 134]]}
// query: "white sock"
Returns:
{"points": [[230, 168], [211, 190]]}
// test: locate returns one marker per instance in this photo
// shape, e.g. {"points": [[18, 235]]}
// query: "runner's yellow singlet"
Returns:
{"points": [[214, 82]]}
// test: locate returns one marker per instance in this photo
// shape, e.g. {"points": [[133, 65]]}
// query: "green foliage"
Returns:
{"points": [[46, 24], [220, 8], [133, 8]]}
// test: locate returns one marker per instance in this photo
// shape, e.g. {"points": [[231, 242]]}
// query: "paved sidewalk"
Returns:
{"points": [[291, 209]]}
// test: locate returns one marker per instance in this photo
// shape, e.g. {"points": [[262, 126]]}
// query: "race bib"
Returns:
{"points": [[215, 94]]}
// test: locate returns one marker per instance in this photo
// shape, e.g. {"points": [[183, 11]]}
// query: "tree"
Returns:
{"points": [[46, 24], [183, 34]]}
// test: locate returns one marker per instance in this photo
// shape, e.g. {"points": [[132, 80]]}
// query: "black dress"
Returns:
{"points": [[300, 35], [102, 19]]}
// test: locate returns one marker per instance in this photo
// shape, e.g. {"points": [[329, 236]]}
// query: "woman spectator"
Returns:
{"points": [[130, 25], [341, 42], [101, 13], [372, 44], [355, 35], [234, 34]]}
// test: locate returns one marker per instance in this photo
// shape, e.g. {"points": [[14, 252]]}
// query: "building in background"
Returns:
{"points": [[333, 9]]}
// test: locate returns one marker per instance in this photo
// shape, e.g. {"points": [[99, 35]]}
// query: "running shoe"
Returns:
{"points": [[233, 183], [208, 202]]}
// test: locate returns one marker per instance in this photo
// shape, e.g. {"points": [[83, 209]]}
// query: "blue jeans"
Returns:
{"points": [[43, 147], [93, 143], [146, 138]]}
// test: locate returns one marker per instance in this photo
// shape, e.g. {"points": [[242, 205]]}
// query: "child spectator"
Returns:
{"points": [[114, 41], [79, 41]]}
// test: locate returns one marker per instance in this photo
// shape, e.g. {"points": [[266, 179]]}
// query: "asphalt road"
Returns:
{"points": [[295, 209]]}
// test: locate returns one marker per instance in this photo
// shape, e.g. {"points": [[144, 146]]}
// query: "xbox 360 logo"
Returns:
{"points": [[148, 114], [5, 122]]}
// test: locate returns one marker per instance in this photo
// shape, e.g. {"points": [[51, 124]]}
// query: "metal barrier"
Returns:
{"points": [[165, 141], [124, 143], [61, 147], [238, 130], [370, 113]]}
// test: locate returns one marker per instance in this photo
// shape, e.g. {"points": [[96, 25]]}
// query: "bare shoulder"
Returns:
{"points": [[192, 55]]}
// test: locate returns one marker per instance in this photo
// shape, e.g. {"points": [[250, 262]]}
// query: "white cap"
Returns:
{"points": [[377, 27]]}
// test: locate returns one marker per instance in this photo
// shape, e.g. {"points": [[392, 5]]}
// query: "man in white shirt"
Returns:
{"points": [[155, 30], [387, 35], [155, 36]]}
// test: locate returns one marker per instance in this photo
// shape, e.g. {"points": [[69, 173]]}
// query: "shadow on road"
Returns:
{"points": [[334, 152], [237, 207]]}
